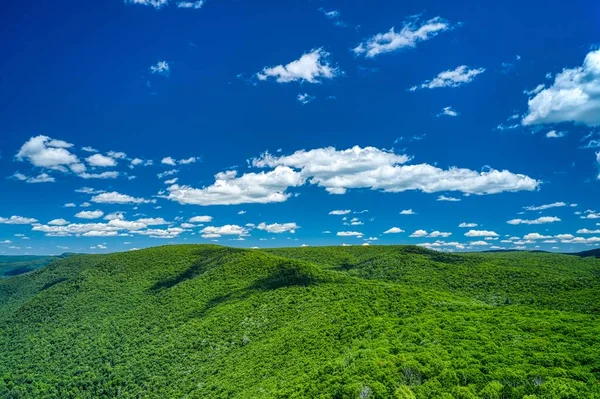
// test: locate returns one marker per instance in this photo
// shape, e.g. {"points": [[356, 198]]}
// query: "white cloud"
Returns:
{"points": [[419, 233], [17, 220], [160, 68], [349, 234], [449, 199], [153, 221], [544, 207], [188, 161], [172, 181], [553, 134], [305, 98], [278, 227], [535, 90], [168, 161], [433, 234], [436, 233], [448, 111], [465, 224], [114, 216], [103, 175], [118, 198], [69, 205], [228, 189], [481, 233], [408, 212], [540, 220], [89, 149], [340, 212], [41, 178], [241, 213], [58, 222], [89, 214], [408, 37], [369, 167], [586, 231], [451, 78], [191, 4], [45, 152], [167, 173], [153, 3], [311, 67], [573, 97], [438, 244], [101, 161], [478, 243], [228, 229], [201, 219], [535, 236], [394, 230]]}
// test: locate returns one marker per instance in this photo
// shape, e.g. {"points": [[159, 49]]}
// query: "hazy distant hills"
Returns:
{"points": [[203, 321]]}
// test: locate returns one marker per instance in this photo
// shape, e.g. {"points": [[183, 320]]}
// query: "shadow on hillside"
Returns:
{"points": [[209, 259], [285, 275]]}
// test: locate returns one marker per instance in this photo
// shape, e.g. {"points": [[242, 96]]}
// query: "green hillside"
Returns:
{"points": [[199, 321], [15, 265]]}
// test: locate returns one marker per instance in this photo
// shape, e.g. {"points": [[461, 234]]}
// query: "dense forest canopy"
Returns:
{"points": [[203, 321]]}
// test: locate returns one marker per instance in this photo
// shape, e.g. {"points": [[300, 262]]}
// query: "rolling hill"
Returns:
{"points": [[204, 321]]}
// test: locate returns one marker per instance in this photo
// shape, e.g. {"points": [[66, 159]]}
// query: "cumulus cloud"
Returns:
{"points": [[540, 220], [201, 219], [118, 198], [41, 178], [229, 189], [433, 234], [408, 37], [58, 222], [573, 97], [101, 161], [466, 225], [114, 227], [160, 68], [369, 167], [45, 152], [338, 171], [448, 111], [168, 161], [305, 98], [553, 134], [449, 199], [278, 227], [17, 220], [478, 243], [408, 212], [451, 78], [228, 229], [394, 230], [89, 214], [481, 233], [311, 67], [349, 234]]}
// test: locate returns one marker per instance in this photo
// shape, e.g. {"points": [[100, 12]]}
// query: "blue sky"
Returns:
{"points": [[258, 124]]}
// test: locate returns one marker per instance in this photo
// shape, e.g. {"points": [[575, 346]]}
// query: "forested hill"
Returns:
{"points": [[203, 321]]}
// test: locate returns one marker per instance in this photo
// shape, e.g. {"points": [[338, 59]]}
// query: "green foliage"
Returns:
{"points": [[198, 321]]}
